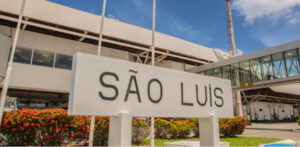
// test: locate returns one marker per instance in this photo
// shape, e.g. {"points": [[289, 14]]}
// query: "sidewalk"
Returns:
{"points": [[273, 130], [286, 126]]}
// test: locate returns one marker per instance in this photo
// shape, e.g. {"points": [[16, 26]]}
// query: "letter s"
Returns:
{"points": [[109, 98], [219, 97]]}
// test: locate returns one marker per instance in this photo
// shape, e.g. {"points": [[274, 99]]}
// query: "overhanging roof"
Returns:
{"points": [[62, 17]]}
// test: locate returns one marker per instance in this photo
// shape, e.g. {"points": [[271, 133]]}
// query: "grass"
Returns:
{"points": [[236, 141]]}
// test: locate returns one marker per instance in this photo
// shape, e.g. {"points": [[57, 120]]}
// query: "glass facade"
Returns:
{"points": [[278, 66], [23, 55], [266, 68], [255, 70], [209, 72], [42, 58], [292, 64], [234, 71], [275, 66], [217, 72], [245, 72], [226, 72]]}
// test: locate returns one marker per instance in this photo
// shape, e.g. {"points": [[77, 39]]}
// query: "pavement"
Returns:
{"points": [[273, 130]]}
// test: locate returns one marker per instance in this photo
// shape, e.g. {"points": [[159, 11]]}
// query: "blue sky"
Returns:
{"points": [[258, 24]]}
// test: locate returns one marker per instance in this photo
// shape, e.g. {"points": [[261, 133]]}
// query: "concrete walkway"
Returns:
{"points": [[274, 130]]}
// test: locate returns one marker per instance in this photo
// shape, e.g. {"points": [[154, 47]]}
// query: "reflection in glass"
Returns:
{"points": [[235, 74], [278, 66], [209, 72], [266, 67], [226, 72], [43, 58], [244, 72], [23, 55], [292, 62], [255, 70], [63, 61], [217, 72]]}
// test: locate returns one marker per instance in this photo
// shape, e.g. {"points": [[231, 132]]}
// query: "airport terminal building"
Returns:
{"points": [[51, 34]]}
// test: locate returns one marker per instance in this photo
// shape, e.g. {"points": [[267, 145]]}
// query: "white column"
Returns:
{"points": [[120, 130], [153, 64], [209, 131], [9, 66], [92, 123], [91, 135]]}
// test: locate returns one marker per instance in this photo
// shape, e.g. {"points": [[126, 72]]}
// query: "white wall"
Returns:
{"points": [[4, 53], [33, 77], [268, 110]]}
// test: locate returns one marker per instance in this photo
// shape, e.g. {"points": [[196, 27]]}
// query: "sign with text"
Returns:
{"points": [[105, 86]]}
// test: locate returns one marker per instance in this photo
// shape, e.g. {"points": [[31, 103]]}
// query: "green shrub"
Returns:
{"points": [[140, 131], [298, 121], [231, 127]]}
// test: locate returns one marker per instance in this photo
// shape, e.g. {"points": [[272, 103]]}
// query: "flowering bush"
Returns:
{"points": [[194, 126], [50, 127], [232, 127], [140, 131], [181, 128], [53, 127]]}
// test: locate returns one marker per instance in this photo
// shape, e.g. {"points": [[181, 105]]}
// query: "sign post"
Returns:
{"points": [[121, 89]]}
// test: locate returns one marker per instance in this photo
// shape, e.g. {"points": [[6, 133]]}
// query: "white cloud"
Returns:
{"points": [[239, 52], [271, 9]]}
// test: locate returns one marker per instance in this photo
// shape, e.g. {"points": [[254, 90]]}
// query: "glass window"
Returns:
{"points": [[217, 72], [209, 72], [292, 62], [63, 61], [202, 72], [235, 74], [23, 55], [43, 58], [278, 66], [255, 70], [299, 55], [226, 72], [245, 72], [266, 68]]}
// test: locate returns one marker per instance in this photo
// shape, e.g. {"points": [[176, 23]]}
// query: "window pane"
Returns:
{"points": [[43, 58], [202, 72], [255, 70], [292, 62], [226, 72], [209, 72], [244, 72], [278, 66], [23, 55], [266, 67], [217, 72], [63, 61], [235, 74], [299, 55]]}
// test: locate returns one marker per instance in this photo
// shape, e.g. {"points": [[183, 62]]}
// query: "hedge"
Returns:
{"points": [[182, 128], [53, 127]]}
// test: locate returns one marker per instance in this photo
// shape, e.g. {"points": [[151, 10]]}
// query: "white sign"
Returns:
{"points": [[105, 86]]}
